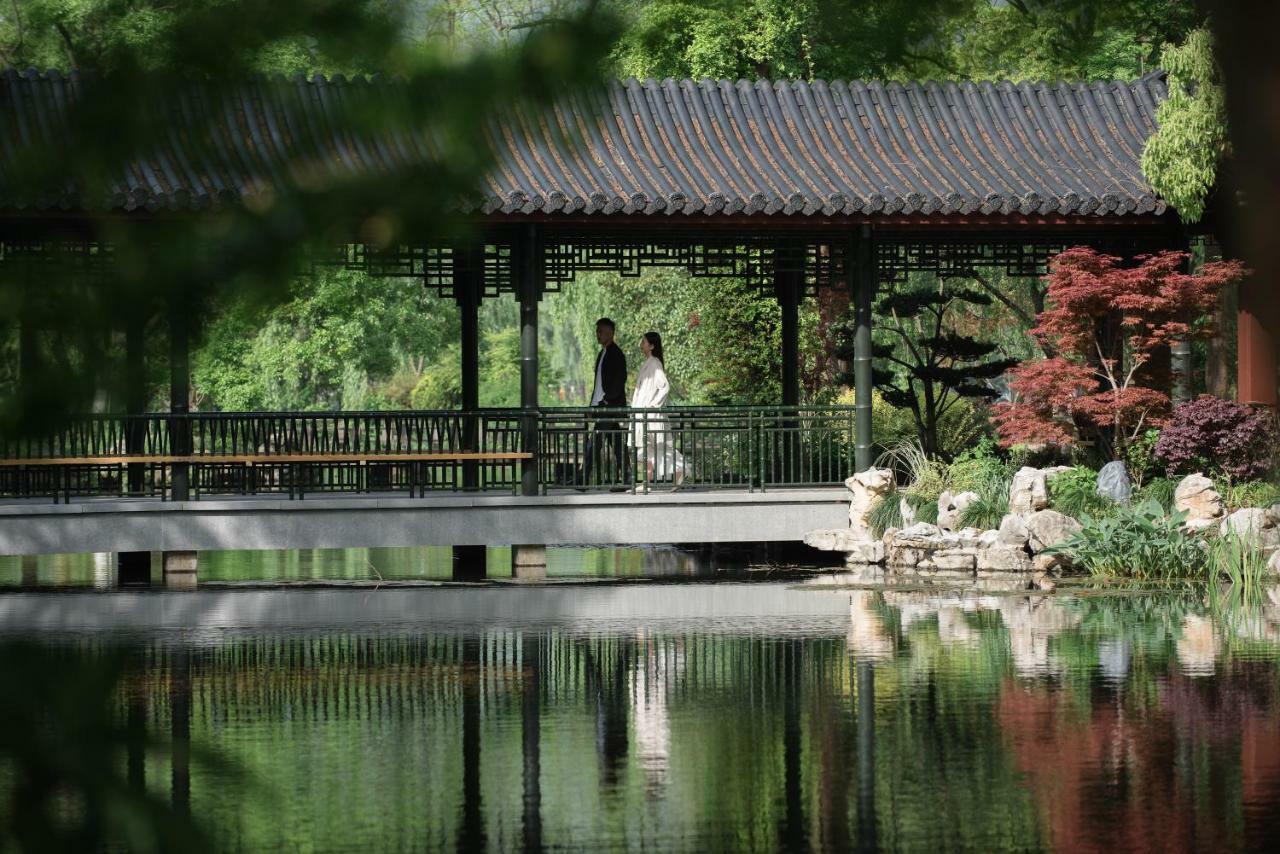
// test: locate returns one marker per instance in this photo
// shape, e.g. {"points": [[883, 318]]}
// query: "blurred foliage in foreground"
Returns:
{"points": [[174, 269]]}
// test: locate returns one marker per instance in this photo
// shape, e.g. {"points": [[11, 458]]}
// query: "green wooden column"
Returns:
{"points": [[135, 397], [786, 285], [467, 284], [864, 290], [179, 394], [529, 271]]}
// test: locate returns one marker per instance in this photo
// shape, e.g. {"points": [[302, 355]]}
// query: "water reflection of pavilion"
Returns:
{"points": [[510, 734]]}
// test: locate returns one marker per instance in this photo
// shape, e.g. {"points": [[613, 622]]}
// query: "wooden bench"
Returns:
{"points": [[250, 460]]}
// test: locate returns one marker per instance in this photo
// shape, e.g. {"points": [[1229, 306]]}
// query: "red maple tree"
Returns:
{"points": [[1107, 324]]}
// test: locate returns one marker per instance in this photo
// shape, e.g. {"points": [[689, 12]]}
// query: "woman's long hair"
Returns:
{"points": [[655, 341]]}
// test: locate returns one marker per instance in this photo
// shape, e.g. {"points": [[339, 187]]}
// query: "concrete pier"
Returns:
{"points": [[529, 563], [180, 570]]}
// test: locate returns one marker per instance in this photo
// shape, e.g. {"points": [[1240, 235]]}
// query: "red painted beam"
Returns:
{"points": [[1258, 342]]}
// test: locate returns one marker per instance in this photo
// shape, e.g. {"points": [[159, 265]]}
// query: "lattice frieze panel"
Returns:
{"points": [[436, 266], [1017, 257], [894, 260], [753, 261], [41, 259], [498, 278], [432, 264]]}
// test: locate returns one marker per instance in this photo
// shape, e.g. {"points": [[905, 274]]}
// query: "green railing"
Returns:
{"points": [[585, 449], [744, 448]]}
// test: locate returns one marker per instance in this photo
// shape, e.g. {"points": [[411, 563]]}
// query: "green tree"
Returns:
{"points": [[926, 364], [1181, 158], [1064, 39], [343, 340]]}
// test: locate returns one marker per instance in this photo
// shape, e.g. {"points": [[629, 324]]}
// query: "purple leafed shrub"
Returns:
{"points": [[1210, 434]]}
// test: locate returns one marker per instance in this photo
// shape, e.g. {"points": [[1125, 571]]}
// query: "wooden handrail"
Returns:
{"points": [[251, 459]]}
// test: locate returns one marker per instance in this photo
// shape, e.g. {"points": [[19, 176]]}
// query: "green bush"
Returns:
{"points": [[1157, 489], [927, 511], [976, 469], [1251, 493], [986, 512], [1138, 541], [1075, 493], [1140, 457], [923, 476], [886, 513]]}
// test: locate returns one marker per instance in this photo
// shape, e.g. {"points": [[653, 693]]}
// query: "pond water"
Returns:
{"points": [[697, 716], [403, 565]]}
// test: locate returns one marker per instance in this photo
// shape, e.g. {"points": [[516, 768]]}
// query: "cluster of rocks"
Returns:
{"points": [[1025, 535], [1017, 546]]}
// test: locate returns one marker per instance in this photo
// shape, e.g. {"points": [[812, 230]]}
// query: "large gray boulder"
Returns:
{"points": [[866, 488], [1047, 528], [1114, 483], [1195, 494]]}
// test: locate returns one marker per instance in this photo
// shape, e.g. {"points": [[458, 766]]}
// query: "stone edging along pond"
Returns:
{"points": [[1024, 540]]}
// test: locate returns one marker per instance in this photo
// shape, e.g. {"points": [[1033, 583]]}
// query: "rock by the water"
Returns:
{"points": [[953, 559], [1001, 558], [1254, 525], [1013, 530], [1274, 563], [897, 556], [907, 512], [921, 535], [1029, 490], [865, 551], [1046, 528], [1050, 563], [1114, 483], [950, 507], [1195, 494], [865, 488], [832, 539]]}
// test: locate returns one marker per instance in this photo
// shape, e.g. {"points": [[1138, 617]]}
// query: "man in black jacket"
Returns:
{"points": [[606, 449]]}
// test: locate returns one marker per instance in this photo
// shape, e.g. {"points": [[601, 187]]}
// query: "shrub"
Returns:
{"points": [[1140, 456], [989, 509], [927, 510], [1213, 435], [1075, 493], [911, 465], [1251, 493], [886, 513], [975, 469], [1158, 489], [1139, 541]]}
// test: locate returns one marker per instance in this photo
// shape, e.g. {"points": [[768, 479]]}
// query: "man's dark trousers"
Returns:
{"points": [[608, 439]]}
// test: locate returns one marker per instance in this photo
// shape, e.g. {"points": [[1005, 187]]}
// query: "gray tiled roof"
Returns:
{"points": [[677, 147]]}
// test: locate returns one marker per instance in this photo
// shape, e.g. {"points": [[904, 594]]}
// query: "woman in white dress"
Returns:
{"points": [[652, 433]]}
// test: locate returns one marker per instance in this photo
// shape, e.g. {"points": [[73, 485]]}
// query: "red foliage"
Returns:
{"points": [[1105, 323]]}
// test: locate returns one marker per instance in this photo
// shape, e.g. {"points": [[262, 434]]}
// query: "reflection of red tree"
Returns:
{"points": [[1160, 778]]}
